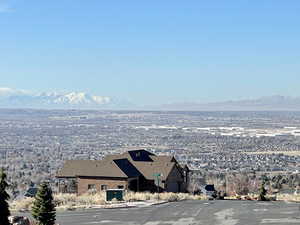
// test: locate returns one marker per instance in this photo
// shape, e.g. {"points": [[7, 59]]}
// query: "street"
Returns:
{"points": [[189, 213]]}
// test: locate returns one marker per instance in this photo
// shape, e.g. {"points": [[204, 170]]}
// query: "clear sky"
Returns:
{"points": [[155, 51]]}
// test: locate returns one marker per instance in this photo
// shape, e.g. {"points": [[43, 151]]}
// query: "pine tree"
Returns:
{"points": [[4, 196], [262, 193], [43, 209]]}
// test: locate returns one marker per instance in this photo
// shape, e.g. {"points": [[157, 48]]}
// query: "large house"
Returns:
{"points": [[137, 170]]}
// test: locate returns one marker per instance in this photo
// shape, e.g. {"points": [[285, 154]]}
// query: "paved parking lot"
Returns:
{"points": [[190, 213]]}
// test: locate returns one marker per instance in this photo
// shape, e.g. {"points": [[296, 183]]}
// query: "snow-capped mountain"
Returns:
{"points": [[13, 98], [75, 98]]}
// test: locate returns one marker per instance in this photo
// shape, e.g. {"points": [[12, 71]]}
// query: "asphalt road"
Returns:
{"points": [[190, 213]]}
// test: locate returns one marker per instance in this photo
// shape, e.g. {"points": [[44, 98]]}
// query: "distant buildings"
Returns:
{"points": [[36, 143]]}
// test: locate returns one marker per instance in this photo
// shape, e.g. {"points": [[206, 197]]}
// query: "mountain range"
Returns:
{"points": [[12, 98], [269, 103]]}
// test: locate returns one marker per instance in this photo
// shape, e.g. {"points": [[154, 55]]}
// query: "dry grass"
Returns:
{"points": [[165, 196], [72, 201], [86, 199], [63, 202], [23, 204]]}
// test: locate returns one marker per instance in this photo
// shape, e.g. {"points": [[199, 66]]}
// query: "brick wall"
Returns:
{"points": [[83, 183]]}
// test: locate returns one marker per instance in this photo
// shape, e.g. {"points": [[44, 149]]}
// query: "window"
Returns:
{"points": [[103, 187], [120, 186], [91, 186]]}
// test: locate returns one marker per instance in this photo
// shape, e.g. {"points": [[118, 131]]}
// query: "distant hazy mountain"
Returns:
{"points": [[11, 98], [275, 103]]}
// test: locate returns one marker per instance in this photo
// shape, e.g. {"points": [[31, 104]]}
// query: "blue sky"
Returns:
{"points": [[152, 51]]}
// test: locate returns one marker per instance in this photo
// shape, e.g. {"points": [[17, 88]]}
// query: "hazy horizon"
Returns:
{"points": [[18, 99]]}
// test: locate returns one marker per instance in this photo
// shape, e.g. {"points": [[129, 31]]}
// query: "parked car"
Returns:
{"points": [[209, 191]]}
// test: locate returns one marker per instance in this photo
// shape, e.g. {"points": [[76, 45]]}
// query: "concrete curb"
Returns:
{"points": [[159, 203], [119, 207], [126, 205], [116, 206]]}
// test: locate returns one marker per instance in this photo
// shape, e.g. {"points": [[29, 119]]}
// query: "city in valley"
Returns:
{"points": [[216, 146]]}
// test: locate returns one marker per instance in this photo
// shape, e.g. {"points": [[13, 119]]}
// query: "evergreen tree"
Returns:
{"points": [[4, 196], [43, 209], [262, 193]]}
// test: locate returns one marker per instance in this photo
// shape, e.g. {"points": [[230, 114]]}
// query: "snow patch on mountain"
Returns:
{"points": [[19, 98], [75, 98]]}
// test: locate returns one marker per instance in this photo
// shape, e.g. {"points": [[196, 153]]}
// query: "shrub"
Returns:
{"points": [[262, 193], [22, 204]]}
